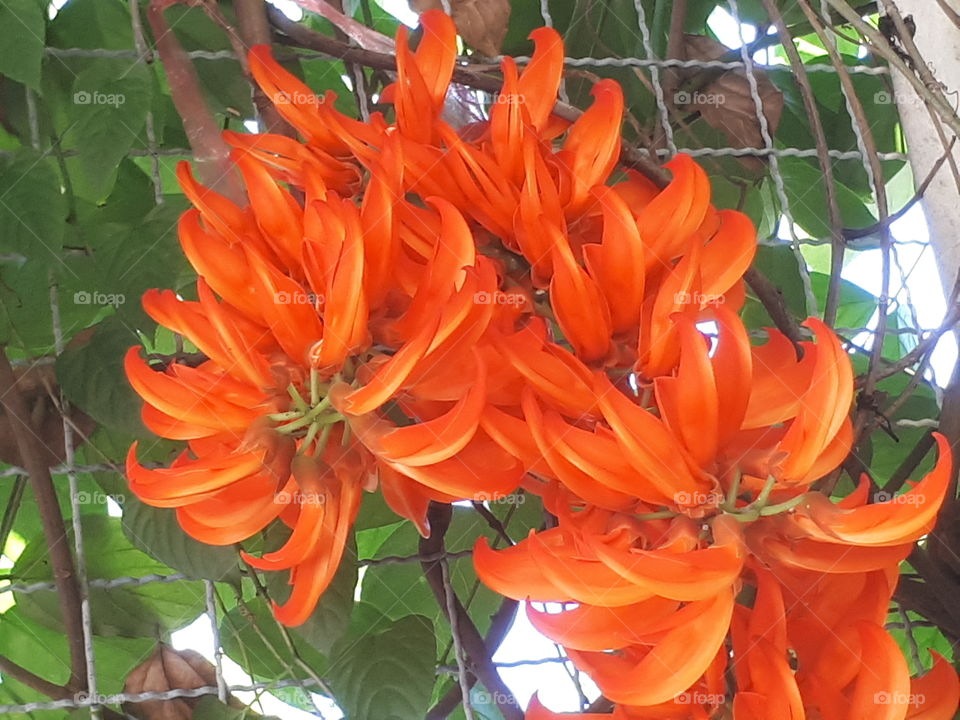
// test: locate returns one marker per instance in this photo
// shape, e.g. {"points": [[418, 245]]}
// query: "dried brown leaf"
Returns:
{"points": [[481, 23], [725, 101], [168, 669]]}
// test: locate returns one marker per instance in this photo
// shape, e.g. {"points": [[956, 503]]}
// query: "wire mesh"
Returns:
{"points": [[655, 67]]}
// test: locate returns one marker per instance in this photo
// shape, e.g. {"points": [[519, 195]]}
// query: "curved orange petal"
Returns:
{"points": [[671, 666], [936, 695]]}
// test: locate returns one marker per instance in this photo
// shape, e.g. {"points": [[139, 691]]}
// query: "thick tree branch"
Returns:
{"points": [[478, 655], [54, 530], [255, 30], [209, 149]]}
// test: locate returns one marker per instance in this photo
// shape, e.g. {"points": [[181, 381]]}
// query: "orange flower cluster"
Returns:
{"points": [[444, 313]]}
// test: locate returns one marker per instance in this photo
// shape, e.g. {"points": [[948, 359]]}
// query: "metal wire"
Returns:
{"points": [[142, 53]]}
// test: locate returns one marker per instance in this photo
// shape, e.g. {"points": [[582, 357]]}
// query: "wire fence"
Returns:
{"points": [[655, 68]]}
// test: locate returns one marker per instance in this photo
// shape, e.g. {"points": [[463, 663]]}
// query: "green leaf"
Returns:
{"points": [[126, 611], [210, 708], [388, 675], [45, 652], [156, 532], [22, 35], [779, 265], [92, 24], [32, 207], [856, 304], [401, 589], [806, 193], [92, 377], [252, 638], [111, 103], [331, 617]]}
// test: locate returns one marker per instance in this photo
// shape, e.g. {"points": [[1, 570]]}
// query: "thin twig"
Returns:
{"points": [[823, 156], [451, 604]]}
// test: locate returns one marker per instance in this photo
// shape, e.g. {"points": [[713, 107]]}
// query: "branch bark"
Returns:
{"points": [[54, 530], [478, 655], [209, 149], [255, 30]]}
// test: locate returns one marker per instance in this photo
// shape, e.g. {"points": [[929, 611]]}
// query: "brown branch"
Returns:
{"points": [[909, 464], [478, 655], [34, 682], [500, 623], [772, 298], [494, 522], [211, 153], [255, 30], [54, 530]]}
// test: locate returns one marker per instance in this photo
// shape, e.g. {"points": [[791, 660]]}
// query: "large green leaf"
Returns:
{"points": [[779, 265], [112, 100], [92, 24], [856, 304], [127, 611], [32, 206], [45, 652], [252, 638], [22, 35], [92, 377], [806, 193], [155, 531], [387, 675]]}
